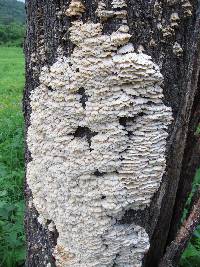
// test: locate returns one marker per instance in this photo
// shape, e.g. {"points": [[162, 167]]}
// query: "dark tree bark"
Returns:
{"points": [[176, 49]]}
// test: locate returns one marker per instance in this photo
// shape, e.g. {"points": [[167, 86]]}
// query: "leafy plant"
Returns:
{"points": [[12, 243], [191, 256], [12, 34], [12, 251]]}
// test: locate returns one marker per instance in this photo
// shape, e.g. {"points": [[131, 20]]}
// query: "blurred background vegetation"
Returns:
{"points": [[12, 252], [12, 22], [12, 238], [12, 31]]}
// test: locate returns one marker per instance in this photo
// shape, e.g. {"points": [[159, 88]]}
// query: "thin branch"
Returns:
{"points": [[174, 250]]}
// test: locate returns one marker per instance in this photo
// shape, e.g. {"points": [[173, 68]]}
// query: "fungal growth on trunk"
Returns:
{"points": [[93, 161]]}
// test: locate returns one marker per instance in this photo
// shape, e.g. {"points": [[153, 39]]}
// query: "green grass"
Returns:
{"points": [[12, 252]]}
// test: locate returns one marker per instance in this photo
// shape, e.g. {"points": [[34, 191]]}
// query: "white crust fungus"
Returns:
{"points": [[105, 14], [177, 49], [187, 8], [76, 8], [118, 3], [174, 18], [98, 140]]}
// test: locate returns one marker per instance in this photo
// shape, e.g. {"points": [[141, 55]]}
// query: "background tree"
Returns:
{"points": [[168, 31], [12, 23]]}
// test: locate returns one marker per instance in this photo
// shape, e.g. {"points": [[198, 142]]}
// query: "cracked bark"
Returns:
{"points": [[45, 29]]}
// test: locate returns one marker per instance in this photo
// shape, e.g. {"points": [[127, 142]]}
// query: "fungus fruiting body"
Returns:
{"points": [[177, 49], [93, 162], [76, 8]]}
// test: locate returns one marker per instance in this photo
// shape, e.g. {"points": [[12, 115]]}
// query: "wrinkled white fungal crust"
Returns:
{"points": [[97, 139]]}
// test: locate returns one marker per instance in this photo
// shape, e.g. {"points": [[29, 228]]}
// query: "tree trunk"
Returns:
{"points": [[111, 149]]}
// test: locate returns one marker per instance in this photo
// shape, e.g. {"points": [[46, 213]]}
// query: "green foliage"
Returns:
{"points": [[12, 11], [12, 248], [12, 239], [12, 22], [12, 34], [198, 130], [191, 256]]}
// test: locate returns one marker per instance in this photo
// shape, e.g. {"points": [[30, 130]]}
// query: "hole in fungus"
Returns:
{"points": [[140, 114], [114, 264], [103, 197], [98, 173], [149, 103], [50, 89], [84, 97], [85, 132], [123, 120], [130, 133], [48, 221]]}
